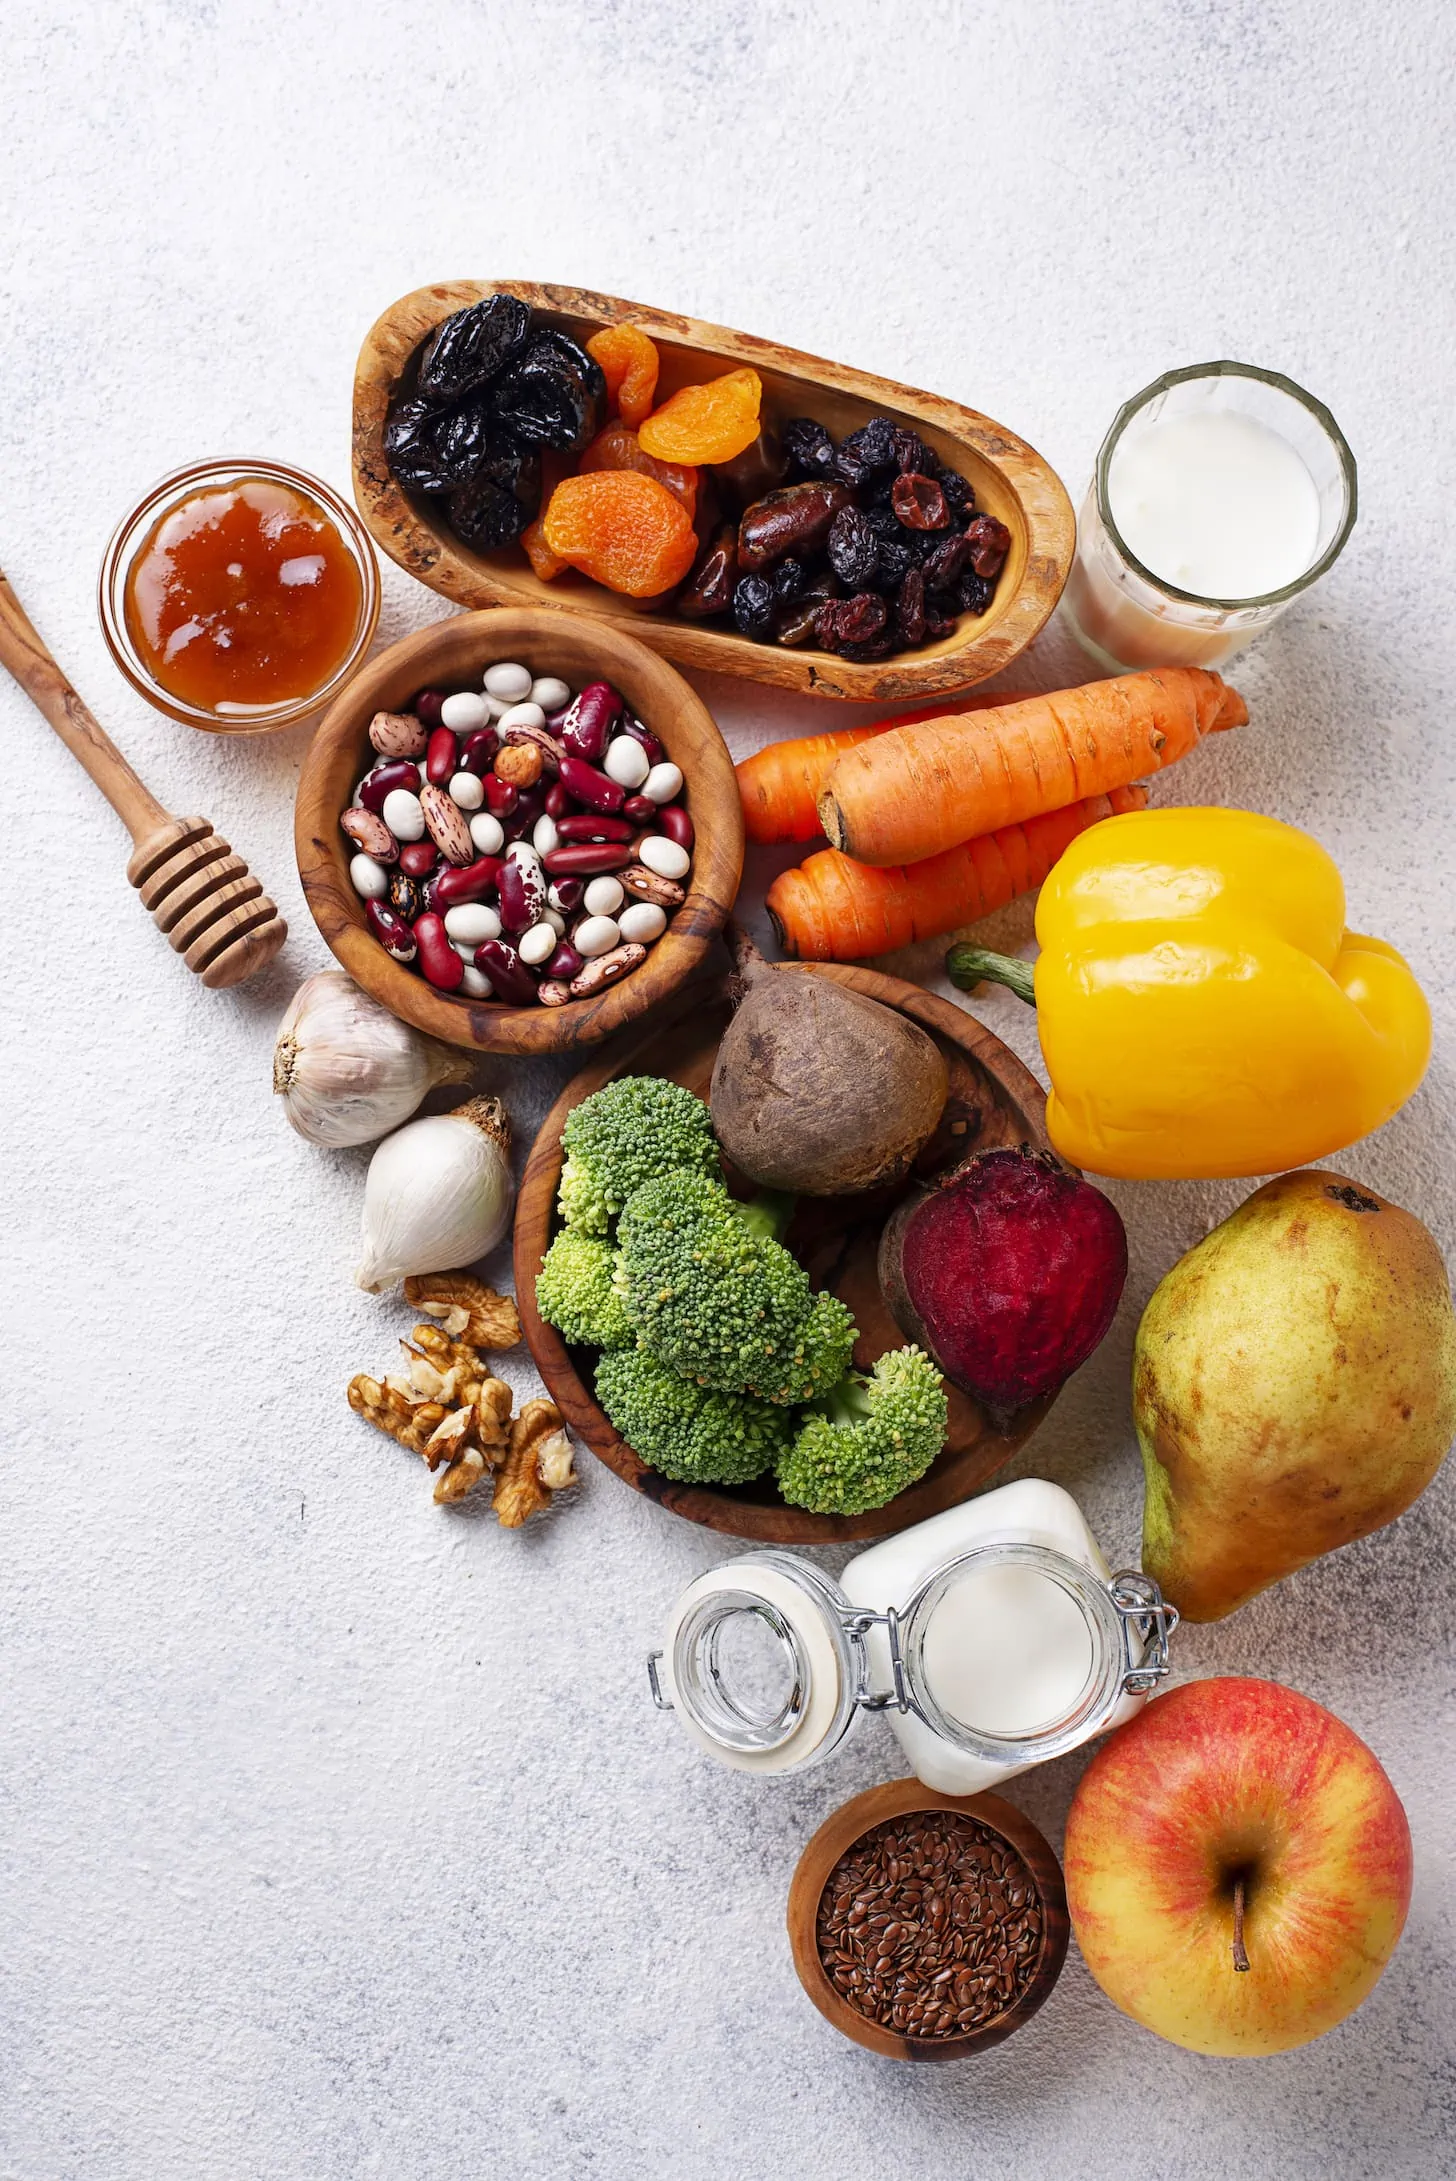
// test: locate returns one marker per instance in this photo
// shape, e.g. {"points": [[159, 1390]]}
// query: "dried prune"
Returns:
{"points": [[919, 502], [759, 469], [552, 395], [471, 346], [854, 550], [500, 499], [910, 611], [411, 451], [867, 452], [465, 439], [795, 520], [989, 542], [911, 452], [857, 620], [974, 593], [788, 580], [709, 589], [753, 605], [809, 448], [943, 567]]}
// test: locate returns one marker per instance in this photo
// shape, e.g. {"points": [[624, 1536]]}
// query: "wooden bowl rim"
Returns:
{"points": [[717, 1508], [712, 787], [979, 649], [849, 1823]]}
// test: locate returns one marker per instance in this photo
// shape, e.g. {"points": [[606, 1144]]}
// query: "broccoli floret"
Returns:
{"points": [[871, 1438], [688, 1432], [574, 1292], [621, 1136], [712, 1293]]}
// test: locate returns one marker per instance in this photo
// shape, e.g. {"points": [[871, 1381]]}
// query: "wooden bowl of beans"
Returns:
{"points": [[519, 830], [927, 1926]]}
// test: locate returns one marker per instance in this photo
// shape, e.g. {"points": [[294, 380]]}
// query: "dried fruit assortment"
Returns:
{"points": [[862, 546], [521, 843]]}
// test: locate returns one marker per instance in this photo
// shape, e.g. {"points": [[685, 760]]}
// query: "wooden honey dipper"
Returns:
{"points": [[213, 911]]}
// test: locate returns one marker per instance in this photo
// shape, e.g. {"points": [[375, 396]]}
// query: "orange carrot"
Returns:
{"points": [[780, 784], [918, 790], [833, 910]]}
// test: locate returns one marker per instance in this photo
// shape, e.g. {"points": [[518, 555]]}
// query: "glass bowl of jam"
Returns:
{"points": [[239, 596]]}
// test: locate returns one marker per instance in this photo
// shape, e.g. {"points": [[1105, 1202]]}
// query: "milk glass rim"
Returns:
{"points": [[1225, 367]]}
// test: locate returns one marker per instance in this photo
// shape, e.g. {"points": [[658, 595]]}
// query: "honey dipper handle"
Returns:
{"points": [[28, 660]]}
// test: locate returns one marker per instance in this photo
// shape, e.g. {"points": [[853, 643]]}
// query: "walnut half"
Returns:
{"points": [[537, 1464], [468, 1309]]}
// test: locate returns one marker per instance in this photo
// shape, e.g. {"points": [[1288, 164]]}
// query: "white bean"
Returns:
{"points": [[470, 922], [556, 920], [663, 856], [369, 879], [488, 834], [521, 715], [467, 790], [464, 712], [550, 693], [644, 922], [496, 705], [464, 949], [537, 945], [403, 815], [595, 935], [544, 835], [603, 897], [475, 984], [626, 762], [508, 680], [663, 782]]}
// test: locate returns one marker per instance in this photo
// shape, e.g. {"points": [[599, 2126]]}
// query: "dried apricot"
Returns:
{"points": [[546, 566], [626, 530], [618, 448], [709, 423], [629, 365]]}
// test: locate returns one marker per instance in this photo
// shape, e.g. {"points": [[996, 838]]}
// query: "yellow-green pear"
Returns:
{"points": [[1294, 1388]]}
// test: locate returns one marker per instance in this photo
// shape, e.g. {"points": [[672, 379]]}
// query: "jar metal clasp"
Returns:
{"points": [[1147, 1623]]}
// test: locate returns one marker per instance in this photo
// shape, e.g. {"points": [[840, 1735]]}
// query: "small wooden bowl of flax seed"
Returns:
{"points": [[927, 1926]]}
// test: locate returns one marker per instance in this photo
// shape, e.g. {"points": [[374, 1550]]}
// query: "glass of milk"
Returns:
{"points": [[1222, 492]]}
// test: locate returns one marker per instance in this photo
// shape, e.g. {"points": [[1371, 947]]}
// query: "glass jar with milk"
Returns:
{"points": [[993, 1637], [1221, 493]]}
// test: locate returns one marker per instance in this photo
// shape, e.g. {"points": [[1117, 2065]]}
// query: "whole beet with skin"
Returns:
{"points": [[1008, 1273]]}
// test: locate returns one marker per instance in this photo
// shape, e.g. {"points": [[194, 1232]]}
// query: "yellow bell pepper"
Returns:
{"points": [[1202, 1008]]}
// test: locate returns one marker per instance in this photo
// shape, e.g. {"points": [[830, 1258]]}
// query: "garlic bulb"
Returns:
{"points": [[438, 1194], [347, 1069]]}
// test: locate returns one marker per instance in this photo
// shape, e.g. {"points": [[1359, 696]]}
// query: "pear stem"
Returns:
{"points": [[1241, 1959]]}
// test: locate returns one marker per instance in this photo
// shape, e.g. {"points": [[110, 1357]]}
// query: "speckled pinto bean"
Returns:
{"points": [[397, 734], [391, 930], [590, 786], [447, 826], [442, 756], [438, 959], [399, 772], [584, 859], [470, 882], [367, 830], [509, 976], [606, 969]]}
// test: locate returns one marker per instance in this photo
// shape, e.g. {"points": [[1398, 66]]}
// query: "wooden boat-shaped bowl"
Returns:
{"points": [[1011, 482], [993, 1100]]}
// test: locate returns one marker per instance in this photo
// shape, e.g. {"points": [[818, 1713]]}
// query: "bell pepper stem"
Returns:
{"points": [[969, 966]]}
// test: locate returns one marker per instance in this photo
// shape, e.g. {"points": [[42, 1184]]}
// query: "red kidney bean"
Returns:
{"points": [[558, 802], [509, 976], [565, 962], [592, 789], [426, 707], [500, 797], [587, 726], [531, 803], [522, 894], [674, 821], [639, 809], [477, 753], [442, 758], [398, 773], [418, 858], [391, 930], [586, 826], [653, 749], [568, 893], [587, 859], [438, 959], [448, 888]]}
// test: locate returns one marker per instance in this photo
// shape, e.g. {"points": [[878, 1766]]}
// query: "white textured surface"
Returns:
{"points": [[338, 1836]]}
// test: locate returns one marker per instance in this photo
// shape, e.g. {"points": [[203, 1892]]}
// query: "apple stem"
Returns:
{"points": [[1241, 1959]]}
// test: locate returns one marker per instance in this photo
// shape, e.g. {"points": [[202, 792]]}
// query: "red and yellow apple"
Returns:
{"points": [[1237, 1820]]}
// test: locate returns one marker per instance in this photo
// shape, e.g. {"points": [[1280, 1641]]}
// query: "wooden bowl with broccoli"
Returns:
{"points": [[993, 1100]]}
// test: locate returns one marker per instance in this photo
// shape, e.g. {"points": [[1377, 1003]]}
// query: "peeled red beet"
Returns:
{"points": [[1007, 1273]]}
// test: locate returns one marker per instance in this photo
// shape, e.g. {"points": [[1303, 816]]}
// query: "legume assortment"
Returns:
{"points": [[501, 833]]}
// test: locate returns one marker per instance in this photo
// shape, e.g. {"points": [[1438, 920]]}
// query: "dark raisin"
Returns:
{"points": [[910, 611], [809, 448], [854, 550], [856, 620], [872, 447], [709, 589], [896, 559], [937, 624], [411, 451], [875, 647], [911, 452], [919, 502], [551, 396], [974, 593], [798, 624], [959, 497], [882, 519], [788, 580], [989, 542], [944, 565], [753, 606], [471, 346]]}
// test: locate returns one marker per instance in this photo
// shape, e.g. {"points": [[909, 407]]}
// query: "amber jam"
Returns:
{"points": [[243, 596]]}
